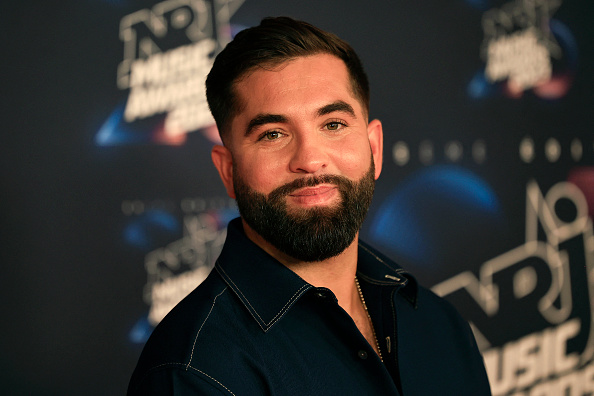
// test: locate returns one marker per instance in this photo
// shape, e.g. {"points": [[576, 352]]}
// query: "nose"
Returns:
{"points": [[309, 155]]}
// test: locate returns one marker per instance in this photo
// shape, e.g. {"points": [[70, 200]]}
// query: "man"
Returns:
{"points": [[296, 304]]}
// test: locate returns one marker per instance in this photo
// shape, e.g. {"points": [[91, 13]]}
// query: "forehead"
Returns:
{"points": [[294, 87]]}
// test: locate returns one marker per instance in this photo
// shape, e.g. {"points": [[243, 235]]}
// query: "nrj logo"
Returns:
{"points": [[524, 48], [173, 271], [539, 297], [168, 52]]}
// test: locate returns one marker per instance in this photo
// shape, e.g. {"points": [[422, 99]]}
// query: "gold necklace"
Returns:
{"points": [[369, 317]]}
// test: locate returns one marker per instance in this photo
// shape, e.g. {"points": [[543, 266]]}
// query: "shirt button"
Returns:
{"points": [[362, 354]]}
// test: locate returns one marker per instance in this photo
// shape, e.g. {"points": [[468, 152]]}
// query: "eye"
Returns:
{"points": [[335, 125], [271, 135]]}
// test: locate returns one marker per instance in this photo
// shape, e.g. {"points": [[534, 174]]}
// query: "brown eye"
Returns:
{"points": [[333, 126], [273, 135]]}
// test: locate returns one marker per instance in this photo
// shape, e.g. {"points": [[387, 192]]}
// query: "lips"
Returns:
{"points": [[318, 195], [310, 191]]}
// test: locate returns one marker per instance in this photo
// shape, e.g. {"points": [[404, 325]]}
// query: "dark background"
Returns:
{"points": [[71, 284]]}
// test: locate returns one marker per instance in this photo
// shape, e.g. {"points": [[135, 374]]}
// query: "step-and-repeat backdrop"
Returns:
{"points": [[112, 211]]}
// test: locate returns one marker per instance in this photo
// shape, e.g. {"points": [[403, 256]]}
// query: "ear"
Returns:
{"points": [[376, 141], [223, 161]]}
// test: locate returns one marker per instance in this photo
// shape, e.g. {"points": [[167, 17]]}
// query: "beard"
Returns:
{"points": [[307, 234]]}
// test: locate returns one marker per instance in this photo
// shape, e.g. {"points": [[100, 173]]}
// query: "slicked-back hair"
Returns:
{"points": [[273, 42]]}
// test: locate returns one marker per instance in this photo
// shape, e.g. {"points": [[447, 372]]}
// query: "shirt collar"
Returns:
{"points": [[268, 289], [375, 268]]}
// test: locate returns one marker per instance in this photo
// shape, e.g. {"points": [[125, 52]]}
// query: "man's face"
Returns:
{"points": [[302, 145]]}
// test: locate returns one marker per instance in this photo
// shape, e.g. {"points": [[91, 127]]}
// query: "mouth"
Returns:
{"points": [[309, 191], [317, 195]]}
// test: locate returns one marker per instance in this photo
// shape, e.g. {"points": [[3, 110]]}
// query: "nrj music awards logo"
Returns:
{"points": [[539, 296], [175, 266], [168, 52], [525, 49]]}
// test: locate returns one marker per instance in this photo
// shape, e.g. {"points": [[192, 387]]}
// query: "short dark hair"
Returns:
{"points": [[274, 41]]}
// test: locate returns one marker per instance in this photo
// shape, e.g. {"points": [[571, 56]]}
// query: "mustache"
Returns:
{"points": [[342, 182]]}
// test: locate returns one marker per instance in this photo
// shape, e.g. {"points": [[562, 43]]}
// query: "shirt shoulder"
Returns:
{"points": [[433, 337], [190, 345]]}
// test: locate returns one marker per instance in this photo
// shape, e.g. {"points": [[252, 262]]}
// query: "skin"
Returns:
{"points": [[299, 120]]}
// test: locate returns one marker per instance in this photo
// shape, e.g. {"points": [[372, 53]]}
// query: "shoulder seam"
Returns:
{"points": [[171, 364], [212, 378], [202, 325]]}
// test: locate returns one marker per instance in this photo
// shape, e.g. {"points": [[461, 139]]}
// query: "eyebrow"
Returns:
{"points": [[262, 119], [265, 118], [339, 106]]}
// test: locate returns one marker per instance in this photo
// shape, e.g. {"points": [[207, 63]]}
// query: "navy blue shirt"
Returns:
{"points": [[254, 327]]}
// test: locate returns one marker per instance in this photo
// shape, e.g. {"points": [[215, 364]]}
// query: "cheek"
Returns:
{"points": [[354, 159], [263, 175]]}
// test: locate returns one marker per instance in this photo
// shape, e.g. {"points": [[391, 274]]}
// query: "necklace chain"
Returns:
{"points": [[369, 317]]}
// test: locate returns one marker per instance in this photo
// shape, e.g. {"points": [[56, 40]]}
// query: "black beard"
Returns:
{"points": [[312, 234]]}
